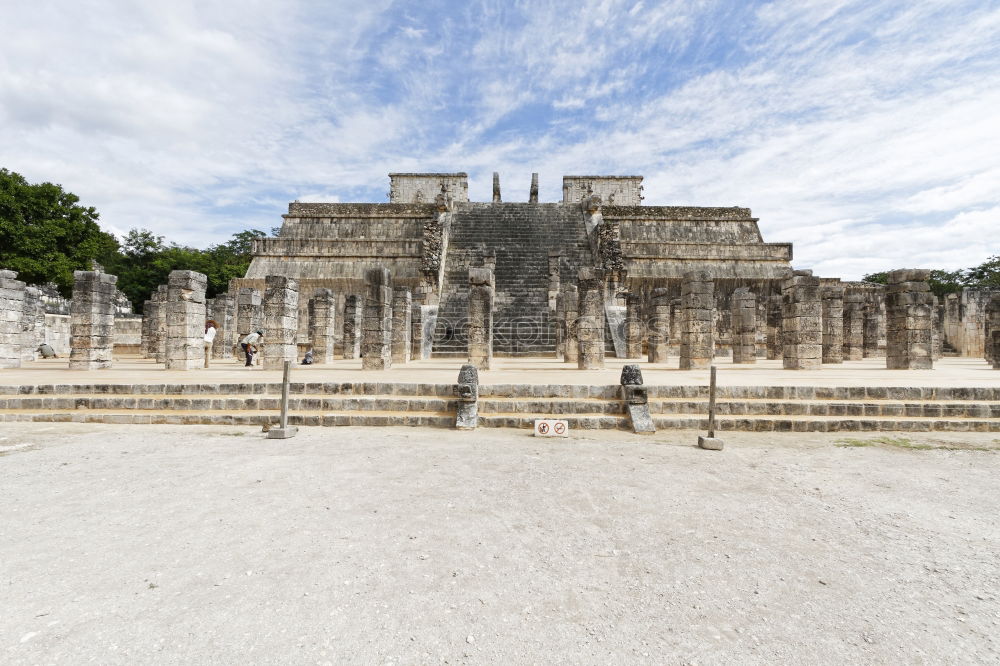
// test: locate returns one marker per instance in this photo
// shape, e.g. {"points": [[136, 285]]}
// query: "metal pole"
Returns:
{"points": [[711, 403], [284, 393]]}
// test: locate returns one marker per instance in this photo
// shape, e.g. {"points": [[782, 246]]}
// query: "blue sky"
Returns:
{"points": [[867, 133]]}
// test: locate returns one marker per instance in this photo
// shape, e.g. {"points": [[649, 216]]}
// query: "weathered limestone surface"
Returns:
{"points": [[11, 315], [467, 392], [854, 326], [636, 400], [322, 324], [533, 191], [481, 293], [743, 321], [354, 306], [225, 316], [937, 330], [614, 190], [185, 309], [32, 323], [281, 321], [833, 323], [870, 331], [555, 278], [697, 302], [965, 320], [633, 326], [659, 326], [249, 312], [775, 344], [590, 323], [908, 304], [992, 332], [402, 312], [571, 320], [158, 330], [802, 322], [376, 341], [92, 320]]}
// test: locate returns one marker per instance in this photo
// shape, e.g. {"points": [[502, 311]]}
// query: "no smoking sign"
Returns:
{"points": [[551, 428]]}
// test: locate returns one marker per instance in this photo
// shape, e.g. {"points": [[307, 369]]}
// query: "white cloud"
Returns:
{"points": [[860, 131]]}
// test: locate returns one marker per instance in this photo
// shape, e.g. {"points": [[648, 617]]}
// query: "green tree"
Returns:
{"points": [[986, 274], [45, 234], [940, 282]]}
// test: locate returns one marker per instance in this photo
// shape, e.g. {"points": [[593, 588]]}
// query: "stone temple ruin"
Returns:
{"points": [[596, 276]]}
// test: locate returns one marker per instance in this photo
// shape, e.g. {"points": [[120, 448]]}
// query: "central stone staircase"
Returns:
{"points": [[521, 235]]}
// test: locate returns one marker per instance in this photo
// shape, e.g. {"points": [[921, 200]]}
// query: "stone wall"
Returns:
{"points": [[128, 335], [57, 333], [965, 320], [11, 315], [424, 187], [613, 190], [402, 324]]}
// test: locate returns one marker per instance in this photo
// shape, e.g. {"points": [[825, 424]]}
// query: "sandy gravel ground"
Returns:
{"points": [[211, 545]]}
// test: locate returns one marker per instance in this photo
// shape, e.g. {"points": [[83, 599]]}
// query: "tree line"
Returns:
{"points": [[45, 235]]}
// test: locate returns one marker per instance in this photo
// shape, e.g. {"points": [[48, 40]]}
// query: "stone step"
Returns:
{"points": [[504, 420]]}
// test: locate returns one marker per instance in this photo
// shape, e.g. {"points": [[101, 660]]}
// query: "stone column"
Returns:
{"points": [[92, 320], [11, 314], [633, 326], [249, 312], [992, 331], [159, 325], [659, 326], [322, 324], [147, 327], [281, 321], [185, 308], [590, 323], [774, 338], [869, 340], [354, 307], [481, 289], [376, 340], [833, 324], [402, 306], [697, 302], [225, 315], [743, 320], [533, 192], [854, 326], [802, 322], [571, 319], [555, 279], [908, 320], [32, 323], [937, 330]]}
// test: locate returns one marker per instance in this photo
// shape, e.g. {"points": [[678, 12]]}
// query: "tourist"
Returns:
{"points": [[308, 358], [211, 328], [46, 350], [249, 344]]}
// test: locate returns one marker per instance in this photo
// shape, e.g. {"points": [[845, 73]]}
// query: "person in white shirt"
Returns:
{"points": [[249, 344], [211, 328]]}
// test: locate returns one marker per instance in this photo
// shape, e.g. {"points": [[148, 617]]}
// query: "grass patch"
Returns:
{"points": [[904, 443]]}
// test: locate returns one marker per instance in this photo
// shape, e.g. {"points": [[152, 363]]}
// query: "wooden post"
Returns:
{"points": [[711, 442], [711, 402], [284, 431]]}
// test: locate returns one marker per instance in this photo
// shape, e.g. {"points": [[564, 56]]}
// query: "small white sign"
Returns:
{"points": [[551, 428]]}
